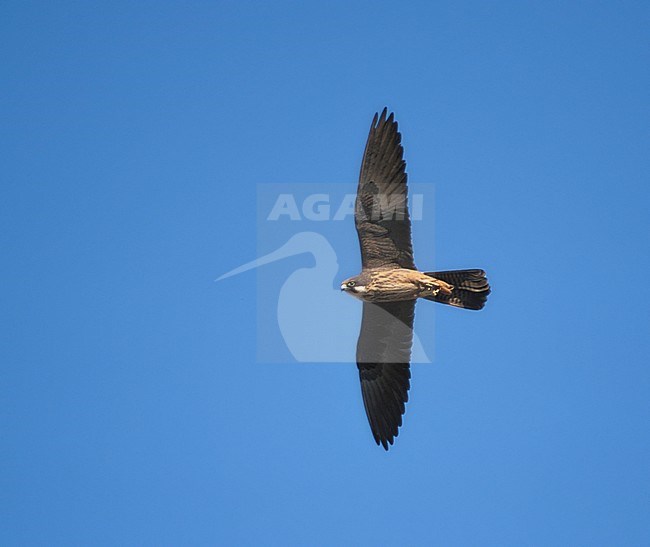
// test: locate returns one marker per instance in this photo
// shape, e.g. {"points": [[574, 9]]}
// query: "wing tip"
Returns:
{"points": [[384, 118], [385, 441]]}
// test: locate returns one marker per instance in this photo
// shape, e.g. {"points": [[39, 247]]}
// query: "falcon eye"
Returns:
{"points": [[350, 283]]}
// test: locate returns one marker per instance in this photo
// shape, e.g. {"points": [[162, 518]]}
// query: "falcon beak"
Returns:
{"points": [[343, 287]]}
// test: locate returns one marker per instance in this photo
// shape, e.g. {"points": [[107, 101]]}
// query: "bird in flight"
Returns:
{"points": [[389, 283]]}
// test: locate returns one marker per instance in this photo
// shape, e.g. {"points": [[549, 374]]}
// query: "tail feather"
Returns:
{"points": [[471, 288]]}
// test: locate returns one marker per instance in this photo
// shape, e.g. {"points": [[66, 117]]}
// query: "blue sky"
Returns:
{"points": [[134, 408]]}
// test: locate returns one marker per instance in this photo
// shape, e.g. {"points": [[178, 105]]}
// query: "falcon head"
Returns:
{"points": [[356, 286]]}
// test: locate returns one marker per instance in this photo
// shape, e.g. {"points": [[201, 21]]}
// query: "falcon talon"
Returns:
{"points": [[389, 283]]}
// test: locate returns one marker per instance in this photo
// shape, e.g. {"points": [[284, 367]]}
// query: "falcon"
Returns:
{"points": [[389, 283]]}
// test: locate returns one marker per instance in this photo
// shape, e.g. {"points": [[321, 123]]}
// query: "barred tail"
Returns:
{"points": [[471, 288]]}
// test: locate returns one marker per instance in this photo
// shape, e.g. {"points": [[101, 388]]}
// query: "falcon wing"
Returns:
{"points": [[381, 211], [383, 357]]}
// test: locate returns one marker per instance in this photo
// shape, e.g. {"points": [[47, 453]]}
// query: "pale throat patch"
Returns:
{"points": [[357, 291]]}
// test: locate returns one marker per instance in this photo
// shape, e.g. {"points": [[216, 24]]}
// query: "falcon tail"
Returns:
{"points": [[471, 288]]}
